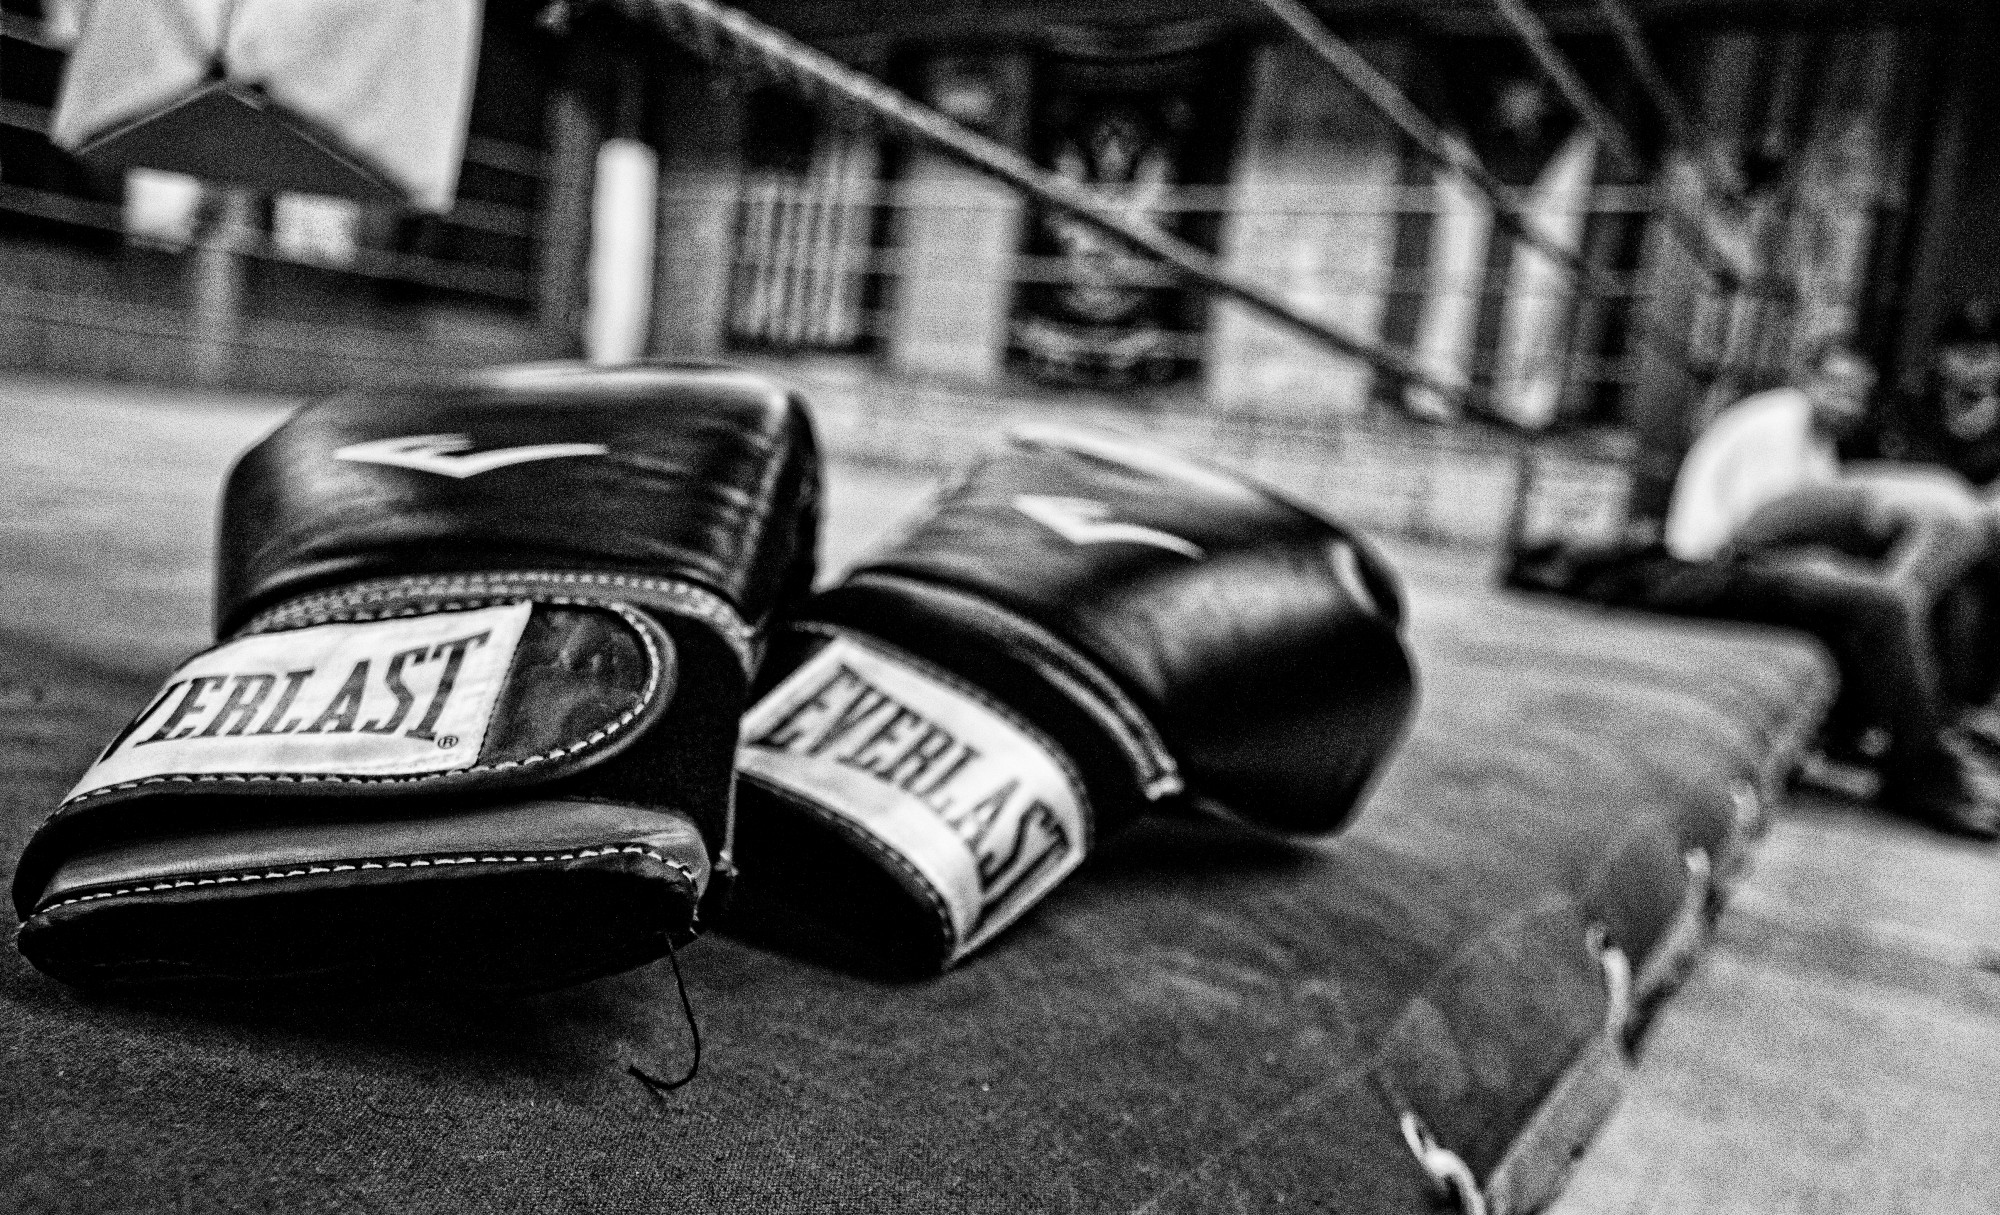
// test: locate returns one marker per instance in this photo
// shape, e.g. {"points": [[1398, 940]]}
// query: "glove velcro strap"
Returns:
{"points": [[973, 811], [404, 701], [359, 727], [334, 703]]}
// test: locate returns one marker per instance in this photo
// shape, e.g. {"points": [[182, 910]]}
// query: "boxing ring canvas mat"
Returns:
{"points": [[1202, 1019]]}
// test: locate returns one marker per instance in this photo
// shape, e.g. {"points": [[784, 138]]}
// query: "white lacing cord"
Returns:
{"points": [[1617, 969], [655, 1084], [1698, 893], [1675, 949], [1748, 805], [1700, 872], [1448, 1171]]}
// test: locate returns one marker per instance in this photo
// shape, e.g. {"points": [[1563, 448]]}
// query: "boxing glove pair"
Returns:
{"points": [[474, 719]]}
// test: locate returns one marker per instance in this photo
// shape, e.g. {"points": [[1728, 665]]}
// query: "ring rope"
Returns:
{"points": [[1394, 105], [1556, 66], [736, 41], [1719, 177]]}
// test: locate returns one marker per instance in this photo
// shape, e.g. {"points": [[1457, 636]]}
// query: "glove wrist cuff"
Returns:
{"points": [[974, 812]]}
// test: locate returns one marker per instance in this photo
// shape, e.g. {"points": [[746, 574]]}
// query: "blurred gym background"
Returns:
{"points": [[1710, 184]]}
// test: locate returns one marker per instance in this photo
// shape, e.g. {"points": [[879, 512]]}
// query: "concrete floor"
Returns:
{"points": [[1837, 1048]]}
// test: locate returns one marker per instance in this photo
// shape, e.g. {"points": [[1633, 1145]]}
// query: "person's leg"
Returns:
{"points": [[1967, 627], [1971, 621], [1933, 551], [1928, 542], [1923, 541], [1887, 677], [1879, 632], [1878, 628], [1840, 516], [1876, 631]]}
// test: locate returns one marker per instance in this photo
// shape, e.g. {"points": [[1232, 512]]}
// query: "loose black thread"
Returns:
{"points": [[657, 1085]]}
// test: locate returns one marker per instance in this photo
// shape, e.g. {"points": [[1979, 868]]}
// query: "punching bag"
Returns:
{"points": [[364, 99]]}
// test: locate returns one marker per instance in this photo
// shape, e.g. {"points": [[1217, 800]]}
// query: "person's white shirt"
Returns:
{"points": [[1756, 451]]}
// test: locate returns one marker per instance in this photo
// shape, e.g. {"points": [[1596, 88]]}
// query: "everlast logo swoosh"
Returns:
{"points": [[968, 797], [397, 697], [441, 454], [1085, 521]]}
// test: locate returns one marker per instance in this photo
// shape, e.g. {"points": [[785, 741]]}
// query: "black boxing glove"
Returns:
{"points": [[1079, 628], [472, 723]]}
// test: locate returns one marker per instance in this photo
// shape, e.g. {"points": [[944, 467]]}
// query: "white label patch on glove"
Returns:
{"points": [[400, 697], [973, 802]]}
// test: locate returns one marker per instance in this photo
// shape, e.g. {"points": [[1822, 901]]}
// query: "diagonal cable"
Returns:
{"points": [[1561, 73], [739, 42], [1416, 126], [1719, 176]]}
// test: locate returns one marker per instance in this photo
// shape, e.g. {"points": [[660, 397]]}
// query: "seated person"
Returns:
{"points": [[1953, 420], [1765, 446], [1764, 528], [1951, 425]]}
